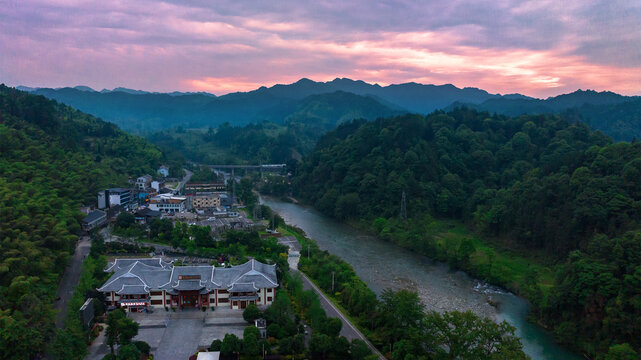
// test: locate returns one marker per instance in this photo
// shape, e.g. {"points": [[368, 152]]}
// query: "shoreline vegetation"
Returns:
{"points": [[566, 196], [402, 334]]}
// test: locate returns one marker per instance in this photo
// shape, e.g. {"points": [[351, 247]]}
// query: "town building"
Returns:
{"points": [[207, 187], [143, 182], [146, 215], [157, 185], [163, 171], [138, 284], [203, 200], [94, 219], [114, 196], [168, 203]]}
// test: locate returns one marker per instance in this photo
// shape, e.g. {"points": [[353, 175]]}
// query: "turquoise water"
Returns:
{"points": [[384, 265]]}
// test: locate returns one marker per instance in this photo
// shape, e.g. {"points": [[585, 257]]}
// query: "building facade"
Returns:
{"points": [[163, 171], [138, 284], [119, 196], [143, 182], [203, 200], [168, 203], [94, 219]]}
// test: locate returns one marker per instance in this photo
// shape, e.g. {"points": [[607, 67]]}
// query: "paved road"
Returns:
{"points": [[184, 180], [70, 279], [348, 330]]}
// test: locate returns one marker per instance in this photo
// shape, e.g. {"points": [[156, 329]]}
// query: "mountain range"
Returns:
{"points": [[141, 111]]}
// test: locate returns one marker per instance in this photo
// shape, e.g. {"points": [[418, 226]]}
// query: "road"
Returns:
{"points": [[348, 330], [185, 180], [70, 279]]}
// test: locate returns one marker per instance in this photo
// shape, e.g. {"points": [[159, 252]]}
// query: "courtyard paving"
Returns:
{"points": [[178, 335]]}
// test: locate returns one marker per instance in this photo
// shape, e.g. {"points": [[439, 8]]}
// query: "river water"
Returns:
{"points": [[384, 265]]}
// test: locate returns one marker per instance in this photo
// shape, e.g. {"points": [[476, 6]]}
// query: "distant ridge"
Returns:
{"points": [[142, 111]]}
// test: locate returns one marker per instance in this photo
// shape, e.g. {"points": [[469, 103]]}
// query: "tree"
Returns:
{"points": [[620, 352], [464, 335], [128, 352], [251, 313], [251, 336], [231, 345], [125, 220], [359, 349], [216, 345], [401, 313], [120, 330], [97, 244], [144, 348], [332, 327], [320, 345]]}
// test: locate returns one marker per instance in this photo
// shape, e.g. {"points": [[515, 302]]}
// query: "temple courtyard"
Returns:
{"points": [[179, 334]]}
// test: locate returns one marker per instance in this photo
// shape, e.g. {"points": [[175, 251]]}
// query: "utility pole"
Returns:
{"points": [[403, 207], [332, 282]]}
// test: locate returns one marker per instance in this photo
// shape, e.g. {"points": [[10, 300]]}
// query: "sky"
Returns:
{"points": [[538, 48]]}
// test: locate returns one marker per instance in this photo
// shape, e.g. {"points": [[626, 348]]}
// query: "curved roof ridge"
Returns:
{"points": [[114, 278]]}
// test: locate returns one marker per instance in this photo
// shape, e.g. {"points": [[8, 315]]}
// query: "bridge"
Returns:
{"points": [[262, 167], [252, 167]]}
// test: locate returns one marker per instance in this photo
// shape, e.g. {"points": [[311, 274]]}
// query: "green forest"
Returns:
{"points": [[536, 184], [53, 159]]}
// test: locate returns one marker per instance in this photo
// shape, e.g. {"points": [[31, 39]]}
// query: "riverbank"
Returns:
{"points": [[453, 243], [382, 264]]}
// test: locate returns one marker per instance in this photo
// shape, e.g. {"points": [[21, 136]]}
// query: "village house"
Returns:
{"points": [[168, 203], [143, 182], [114, 196], [163, 171], [94, 219], [203, 200], [140, 284]]}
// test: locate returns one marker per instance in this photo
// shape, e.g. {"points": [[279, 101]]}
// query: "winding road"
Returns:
{"points": [[70, 279]]}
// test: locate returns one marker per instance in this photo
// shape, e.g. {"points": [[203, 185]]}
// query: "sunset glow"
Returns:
{"points": [[534, 48]]}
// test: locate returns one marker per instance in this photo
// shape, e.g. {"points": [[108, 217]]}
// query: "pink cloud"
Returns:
{"points": [[537, 49]]}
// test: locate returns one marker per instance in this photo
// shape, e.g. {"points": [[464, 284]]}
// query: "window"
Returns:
{"points": [[269, 298], [222, 291], [156, 302], [223, 300], [156, 293]]}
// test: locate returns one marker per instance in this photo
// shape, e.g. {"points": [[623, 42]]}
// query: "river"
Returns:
{"points": [[384, 265]]}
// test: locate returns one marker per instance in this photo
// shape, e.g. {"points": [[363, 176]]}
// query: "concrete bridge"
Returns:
{"points": [[262, 167]]}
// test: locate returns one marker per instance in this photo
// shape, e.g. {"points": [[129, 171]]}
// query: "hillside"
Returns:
{"points": [[271, 142], [140, 111], [535, 183], [615, 115], [52, 159]]}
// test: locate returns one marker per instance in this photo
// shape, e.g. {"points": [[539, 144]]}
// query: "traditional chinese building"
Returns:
{"points": [[137, 284]]}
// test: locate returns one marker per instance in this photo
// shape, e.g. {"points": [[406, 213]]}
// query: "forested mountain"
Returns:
{"points": [[539, 183], [271, 142], [616, 115], [140, 111], [622, 121], [52, 159]]}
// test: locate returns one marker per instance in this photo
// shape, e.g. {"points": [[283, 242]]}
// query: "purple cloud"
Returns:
{"points": [[539, 48]]}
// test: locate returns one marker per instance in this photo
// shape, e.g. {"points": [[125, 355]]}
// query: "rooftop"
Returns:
{"points": [[143, 275], [93, 216]]}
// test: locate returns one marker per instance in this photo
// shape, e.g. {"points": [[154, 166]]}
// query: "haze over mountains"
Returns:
{"points": [[311, 101]]}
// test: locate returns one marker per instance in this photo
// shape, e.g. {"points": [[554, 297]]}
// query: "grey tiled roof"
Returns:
{"points": [[93, 216], [186, 285], [238, 287], [120, 264], [133, 290], [154, 274]]}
